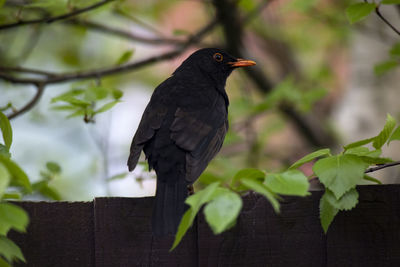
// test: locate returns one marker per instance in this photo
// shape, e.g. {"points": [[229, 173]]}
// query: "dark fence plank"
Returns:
{"points": [[123, 236], [116, 232], [368, 235], [59, 234], [263, 238]]}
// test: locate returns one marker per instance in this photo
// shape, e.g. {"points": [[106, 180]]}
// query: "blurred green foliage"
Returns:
{"points": [[297, 44]]}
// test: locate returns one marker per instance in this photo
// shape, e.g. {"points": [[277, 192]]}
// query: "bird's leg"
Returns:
{"points": [[190, 189]]}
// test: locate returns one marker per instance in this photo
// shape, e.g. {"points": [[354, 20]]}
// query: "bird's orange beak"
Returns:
{"points": [[242, 63]]}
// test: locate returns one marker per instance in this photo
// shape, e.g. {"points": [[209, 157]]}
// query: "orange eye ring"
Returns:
{"points": [[218, 57]]}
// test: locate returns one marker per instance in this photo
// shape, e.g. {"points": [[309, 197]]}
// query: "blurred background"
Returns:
{"points": [[319, 82]]}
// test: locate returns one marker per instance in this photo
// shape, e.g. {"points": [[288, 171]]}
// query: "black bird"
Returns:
{"points": [[182, 129]]}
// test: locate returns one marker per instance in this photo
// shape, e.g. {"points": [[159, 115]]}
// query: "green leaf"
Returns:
{"points": [[2, 2], [4, 151], [223, 210], [208, 178], [118, 176], [6, 130], [326, 212], [198, 199], [125, 57], [76, 102], [77, 113], [12, 217], [359, 11], [64, 107], [10, 250], [186, 222], [369, 157], [395, 135], [395, 50], [53, 167], [18, 176], [364, 151], [262, 189], [249, 173], [340, 173], [384, 135], [117, 94], [107, 106], [371, 179], [195, 202], [359, 143], [375, 160], [390, 2], [3, 263], [385, 66], [348, 201], [67, 95], [5, 178], [12, 196], [45, 190], [291, 182], [310, 157], [95, 93]]}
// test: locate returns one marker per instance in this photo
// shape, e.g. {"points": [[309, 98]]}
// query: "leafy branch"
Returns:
{"points": [[359, 11], [55, 18], [53, 78], [46, 77], [382, 166], [340, 174], [14, 184]]}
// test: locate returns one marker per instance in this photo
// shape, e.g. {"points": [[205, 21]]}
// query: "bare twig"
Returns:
{"points": [[27, 70], [373, 169], [123, 33], [64, 77], [55, 18], [382, 166], [377, 11], [39, 92]]}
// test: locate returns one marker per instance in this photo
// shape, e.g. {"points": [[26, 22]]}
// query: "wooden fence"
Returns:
{"points": [[116, 232]]}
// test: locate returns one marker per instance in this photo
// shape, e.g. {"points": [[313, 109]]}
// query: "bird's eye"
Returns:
{"points": [[218, 57]]}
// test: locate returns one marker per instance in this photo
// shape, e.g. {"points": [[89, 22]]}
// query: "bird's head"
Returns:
{"points": [[213, 62]]}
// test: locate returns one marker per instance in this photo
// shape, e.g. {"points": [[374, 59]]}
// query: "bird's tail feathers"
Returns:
{"points": [[169, 206]]}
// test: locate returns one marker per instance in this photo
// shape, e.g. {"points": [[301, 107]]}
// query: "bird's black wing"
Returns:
{"points": [[201, 134], [151, 120]]}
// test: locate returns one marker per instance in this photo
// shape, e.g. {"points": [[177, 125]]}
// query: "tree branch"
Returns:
{"points": [[39, 92], [27, 70], [307, 124], [53, 78], [55, 18], [122, 33], [377, 11], [382, 166]]}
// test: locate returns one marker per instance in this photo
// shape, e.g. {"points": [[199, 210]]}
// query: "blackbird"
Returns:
{"points": [[182, 129]]}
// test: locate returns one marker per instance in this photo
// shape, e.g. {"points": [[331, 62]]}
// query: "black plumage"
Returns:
{"points": [[182, 129]]}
